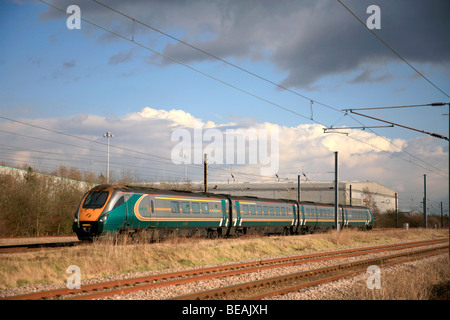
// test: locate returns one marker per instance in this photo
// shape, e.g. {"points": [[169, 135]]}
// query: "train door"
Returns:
{"points": [[301, 215], [238, 220], [129, 211], [367, 214], [224, 222], [341, 216], [295, 218]]}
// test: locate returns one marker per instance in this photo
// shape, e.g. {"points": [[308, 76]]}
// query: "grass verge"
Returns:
{"points": [[103, 258]]}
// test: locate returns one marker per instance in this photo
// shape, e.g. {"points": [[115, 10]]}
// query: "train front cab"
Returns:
{"points": [[95, 215]]}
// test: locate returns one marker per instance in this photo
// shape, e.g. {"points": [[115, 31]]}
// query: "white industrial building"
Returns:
{"points": [[370, 194]]}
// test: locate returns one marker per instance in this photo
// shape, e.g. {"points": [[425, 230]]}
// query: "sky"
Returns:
{"points": [[200, 71]]}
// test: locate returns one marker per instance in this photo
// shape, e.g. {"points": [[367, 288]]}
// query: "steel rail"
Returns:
{"points": [[224, 293], [174, 278], [338, 277]]}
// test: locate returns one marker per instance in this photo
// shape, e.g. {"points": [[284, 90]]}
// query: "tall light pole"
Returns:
{"points": [[108, 135], [185, 157], [336, 192], [425, 201]]}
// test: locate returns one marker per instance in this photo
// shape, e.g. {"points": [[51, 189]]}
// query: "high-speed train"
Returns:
{"points": [[159, 213]]}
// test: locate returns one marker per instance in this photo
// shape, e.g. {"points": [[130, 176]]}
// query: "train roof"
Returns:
{"points": [[250, 198], [149, 190]]}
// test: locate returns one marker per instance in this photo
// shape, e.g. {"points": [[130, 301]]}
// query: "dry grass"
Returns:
{"points": [[422, 280], [103, 258]]}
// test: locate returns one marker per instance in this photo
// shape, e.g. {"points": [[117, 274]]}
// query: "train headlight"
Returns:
{"points": [[103, 218]]}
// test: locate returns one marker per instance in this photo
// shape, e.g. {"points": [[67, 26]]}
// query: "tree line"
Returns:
{"points": [[36, 204]]}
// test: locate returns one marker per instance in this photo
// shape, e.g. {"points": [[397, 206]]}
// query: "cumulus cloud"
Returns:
{"points": [[143, 144]]}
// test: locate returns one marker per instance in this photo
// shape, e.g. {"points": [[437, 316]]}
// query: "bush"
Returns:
{"points": [[37, 205], [389, 220]]}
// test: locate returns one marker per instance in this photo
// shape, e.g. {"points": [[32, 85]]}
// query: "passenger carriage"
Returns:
{"points": [[159, 213], [267, 216]]}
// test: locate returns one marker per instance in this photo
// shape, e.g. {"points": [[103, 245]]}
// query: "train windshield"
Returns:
{"points": [[95, 200]]}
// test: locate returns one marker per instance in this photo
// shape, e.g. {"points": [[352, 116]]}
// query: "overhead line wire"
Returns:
{"points": [[244, 70], [392, 49], [395, 145], [215, 57], [81, 138], [201, 72], [188, 66]]}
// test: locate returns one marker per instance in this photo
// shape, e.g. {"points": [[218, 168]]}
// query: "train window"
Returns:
{"points": [[259, 209], [119, 202], [144, 207], [283, 211], [265, 211], [195, 207], [95, 200], [277, 211], [271, 211], [205, 208], [186, 207], [245, 209], [252, 210], [175, 206]]}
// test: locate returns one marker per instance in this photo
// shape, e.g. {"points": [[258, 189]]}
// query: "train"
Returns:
{"points": [[155, 213]]}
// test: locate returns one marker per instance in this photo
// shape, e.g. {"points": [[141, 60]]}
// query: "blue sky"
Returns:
{"points": [[50, 75]]}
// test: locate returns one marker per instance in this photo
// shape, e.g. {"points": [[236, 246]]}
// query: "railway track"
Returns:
{"points": [[260, 289], [25, 244], [120, 287], [17, 248]]}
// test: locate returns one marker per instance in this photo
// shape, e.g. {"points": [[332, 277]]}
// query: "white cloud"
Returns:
{"points": [[362, 155]]}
